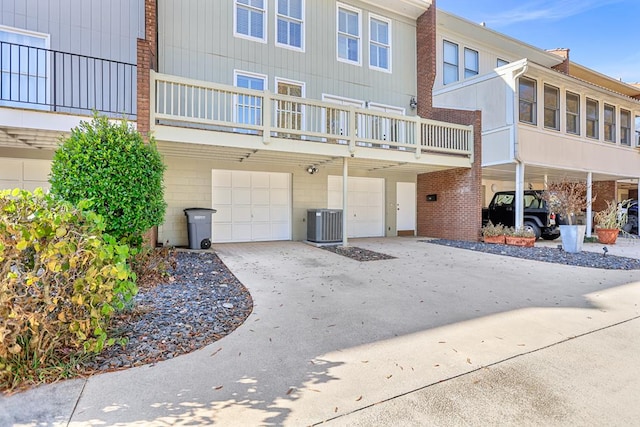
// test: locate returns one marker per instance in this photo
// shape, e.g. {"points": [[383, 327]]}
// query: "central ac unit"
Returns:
{"points": [[324, 225]]}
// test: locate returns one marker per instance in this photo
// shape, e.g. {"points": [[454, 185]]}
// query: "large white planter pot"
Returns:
{"points": [[572, 237]]}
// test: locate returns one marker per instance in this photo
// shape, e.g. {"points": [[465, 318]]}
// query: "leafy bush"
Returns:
{"points": [[61, 279], [111, 165]]}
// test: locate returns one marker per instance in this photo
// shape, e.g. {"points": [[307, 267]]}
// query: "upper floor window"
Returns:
{"points": [[573, 113], [625, 127], [528, 98], [593, 112], [501, 62], [24, 63], [609, 123], [551, 107], [637, 127], [380, 43], [349, 34], [471, 63], [290, 24], [250, 19], [450, 66]]}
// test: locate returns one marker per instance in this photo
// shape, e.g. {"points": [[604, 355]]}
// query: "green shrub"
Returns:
{"points": [[111, 165], [61, 279]]}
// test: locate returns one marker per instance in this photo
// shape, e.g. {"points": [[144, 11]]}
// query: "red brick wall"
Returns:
{"points": [[457, 212], [603, 191], [146, 53]]}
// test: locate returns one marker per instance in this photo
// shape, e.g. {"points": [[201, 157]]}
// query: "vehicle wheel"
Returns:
{"points": [[534, 228], [632, 225]]}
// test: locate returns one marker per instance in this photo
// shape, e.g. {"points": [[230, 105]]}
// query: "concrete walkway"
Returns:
{"points": [[437, 336]]}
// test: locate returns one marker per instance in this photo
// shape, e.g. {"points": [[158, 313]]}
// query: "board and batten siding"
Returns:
{"points": [[106, 29], [196, 41]]}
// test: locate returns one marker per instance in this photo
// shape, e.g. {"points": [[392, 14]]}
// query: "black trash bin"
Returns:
{"points": [[199, 227]]}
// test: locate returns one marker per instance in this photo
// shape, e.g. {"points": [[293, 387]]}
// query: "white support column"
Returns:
{"points": [[345, 197], [589, 207], [519, 220], [546, 181]]}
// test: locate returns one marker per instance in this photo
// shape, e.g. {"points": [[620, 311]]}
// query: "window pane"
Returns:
{"points": [[256, 24], [471, 61], [450, 53], [573, 103], [295, 34], [450, 73]]}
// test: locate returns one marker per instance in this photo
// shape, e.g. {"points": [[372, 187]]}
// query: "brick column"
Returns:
{"points": [[603, 191], [146, 61], [457, 212]]}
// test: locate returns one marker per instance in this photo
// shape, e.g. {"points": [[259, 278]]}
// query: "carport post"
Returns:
{"points": [[589, 207], [345, 187], [519, 195]]}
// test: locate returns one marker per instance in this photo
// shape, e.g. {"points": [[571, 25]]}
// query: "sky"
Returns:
{"points": [[601, 34]]}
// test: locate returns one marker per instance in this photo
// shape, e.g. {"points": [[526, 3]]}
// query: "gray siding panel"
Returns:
{"points": [[196, 41], [70, 23]]}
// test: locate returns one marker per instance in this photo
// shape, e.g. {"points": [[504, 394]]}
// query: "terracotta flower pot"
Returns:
{"points": [[607, 236], [494, 239], [527, 242]]}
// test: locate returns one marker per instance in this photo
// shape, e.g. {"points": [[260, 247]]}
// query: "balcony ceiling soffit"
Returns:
{"points": [[290, 161], [494, 39], [408, 8], [536, 174], [29, 138]]}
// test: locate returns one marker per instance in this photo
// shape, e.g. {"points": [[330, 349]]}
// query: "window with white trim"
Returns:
{"points": [[24, 65], [348, 34], [289, 114], [625, 127], [450, 62], [250, 19], [249, 107], [388, 129], [593, 119], [471, 63], [637, 127], [573, 113], [551, 107], [337, 119], [609, 123], [290, 24], [528, 104], [379, 43]]}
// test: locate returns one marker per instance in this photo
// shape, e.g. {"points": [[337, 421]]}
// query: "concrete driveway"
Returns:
{"points": [[437, 336]]}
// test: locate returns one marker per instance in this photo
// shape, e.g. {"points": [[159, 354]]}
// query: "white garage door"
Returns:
{"points": [[251, 206], [365, 199], [24, 173]]}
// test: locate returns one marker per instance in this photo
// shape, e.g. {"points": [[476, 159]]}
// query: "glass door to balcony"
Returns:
{"points": [[24, 62], [289, 113]]}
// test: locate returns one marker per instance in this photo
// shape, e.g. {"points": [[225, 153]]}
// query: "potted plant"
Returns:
{"points": [[567, 199], [610, 220], [493, 233], [520, 237]]}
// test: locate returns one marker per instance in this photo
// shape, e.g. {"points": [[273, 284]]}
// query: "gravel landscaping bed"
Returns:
{"points": [[201, 303], [358, 254], [546, 254]]}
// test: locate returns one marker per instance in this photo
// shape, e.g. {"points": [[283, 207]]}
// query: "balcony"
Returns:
{"points": [[49, 80], [267, 121]]}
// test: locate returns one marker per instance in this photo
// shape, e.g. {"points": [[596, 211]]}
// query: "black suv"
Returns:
{"points": [[537, 218], [632, 218]]}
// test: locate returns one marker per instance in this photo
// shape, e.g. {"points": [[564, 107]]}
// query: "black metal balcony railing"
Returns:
{"points": [[50, 80]]}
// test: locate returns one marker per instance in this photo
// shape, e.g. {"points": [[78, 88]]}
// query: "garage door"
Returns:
{"points": [[365, 199], [24, 173], [251, 206]]}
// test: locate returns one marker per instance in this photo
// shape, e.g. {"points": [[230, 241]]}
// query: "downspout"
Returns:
{"points": [[519, 187]]}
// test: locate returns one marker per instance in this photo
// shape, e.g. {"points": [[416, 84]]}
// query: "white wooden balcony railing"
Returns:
{"points": [[185, 102]]}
